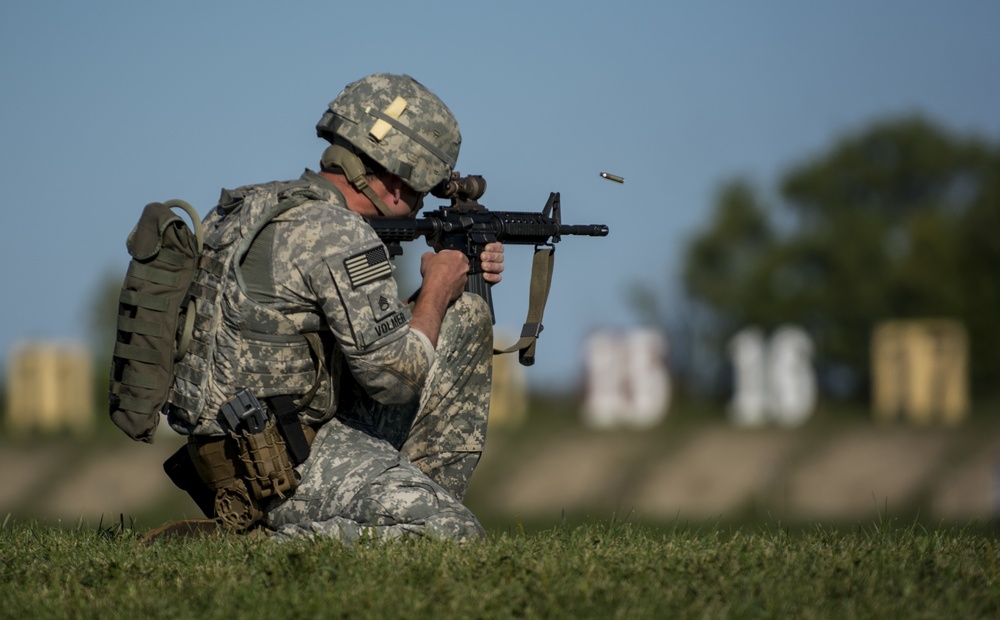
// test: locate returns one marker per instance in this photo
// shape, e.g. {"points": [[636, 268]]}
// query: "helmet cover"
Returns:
{"points": [[398, 123]]}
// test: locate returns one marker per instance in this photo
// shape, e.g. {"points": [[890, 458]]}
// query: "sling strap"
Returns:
{"points": [[541, 280]]}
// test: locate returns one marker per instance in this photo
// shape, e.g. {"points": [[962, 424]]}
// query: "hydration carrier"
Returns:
{"points": [[155, 319]]}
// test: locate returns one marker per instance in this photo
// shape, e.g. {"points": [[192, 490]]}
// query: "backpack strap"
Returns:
{"points": [[185, 334]]}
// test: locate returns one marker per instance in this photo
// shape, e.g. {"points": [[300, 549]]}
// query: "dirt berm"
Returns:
{"points": [[824, 471]]}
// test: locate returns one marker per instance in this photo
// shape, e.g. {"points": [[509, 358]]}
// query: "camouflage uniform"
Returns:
{"points": [[403, 424]]}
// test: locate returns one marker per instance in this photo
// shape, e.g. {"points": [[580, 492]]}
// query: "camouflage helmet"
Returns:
{"points": [[398, 123]]}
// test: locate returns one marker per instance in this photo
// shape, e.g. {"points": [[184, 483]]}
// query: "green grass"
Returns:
{"points": [[595, 570]]}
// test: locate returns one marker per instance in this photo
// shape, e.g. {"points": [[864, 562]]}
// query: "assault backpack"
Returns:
{"points": [[155, 316]]}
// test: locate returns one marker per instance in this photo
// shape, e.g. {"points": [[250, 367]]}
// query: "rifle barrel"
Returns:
{"points": [[592, 230]]}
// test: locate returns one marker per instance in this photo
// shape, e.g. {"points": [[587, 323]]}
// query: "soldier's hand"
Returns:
{"points": [[492, 262], [445, 271]]}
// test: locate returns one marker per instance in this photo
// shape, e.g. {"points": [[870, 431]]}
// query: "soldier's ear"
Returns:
{"points": [[396, 187]]}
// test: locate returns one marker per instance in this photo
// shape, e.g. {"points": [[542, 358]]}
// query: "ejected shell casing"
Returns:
{"points": [[612, 177]]}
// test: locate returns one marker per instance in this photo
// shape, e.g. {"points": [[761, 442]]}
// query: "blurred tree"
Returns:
{"points": [[896, 221], [739, 232], [721, 264]]}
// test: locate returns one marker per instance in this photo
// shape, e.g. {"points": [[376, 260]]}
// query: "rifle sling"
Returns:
{"points": [[541, 280]]}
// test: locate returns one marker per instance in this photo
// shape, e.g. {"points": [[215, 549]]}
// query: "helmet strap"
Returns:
{"points": [[354, 170]]}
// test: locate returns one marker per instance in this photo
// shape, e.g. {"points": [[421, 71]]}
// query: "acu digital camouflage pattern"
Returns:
{"points": [[390, 471], [313, 312], [411, 422], [352, 115]]}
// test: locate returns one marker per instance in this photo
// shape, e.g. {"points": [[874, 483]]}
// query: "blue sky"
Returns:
{"points": [[106, 106]]}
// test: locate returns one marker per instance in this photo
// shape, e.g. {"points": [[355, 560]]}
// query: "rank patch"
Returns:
{"points": [[381, 305], [368, 266]]}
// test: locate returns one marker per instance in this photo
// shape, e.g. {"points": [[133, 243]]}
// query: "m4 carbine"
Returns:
{"points": [[467, 226]]}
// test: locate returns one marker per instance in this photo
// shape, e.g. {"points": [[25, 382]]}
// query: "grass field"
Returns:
{"points": [[594, 570], [576, 563]]}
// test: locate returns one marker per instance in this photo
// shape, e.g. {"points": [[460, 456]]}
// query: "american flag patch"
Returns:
{"points": [[368, 266]]}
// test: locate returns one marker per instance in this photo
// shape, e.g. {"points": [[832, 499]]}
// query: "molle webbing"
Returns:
{"points": [[154, 316]]}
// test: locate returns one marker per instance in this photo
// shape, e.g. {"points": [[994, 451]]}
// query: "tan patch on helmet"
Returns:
{"points": [[380, 128]]}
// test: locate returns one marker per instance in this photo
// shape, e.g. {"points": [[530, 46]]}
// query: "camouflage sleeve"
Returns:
{"points": [[353, 284]]}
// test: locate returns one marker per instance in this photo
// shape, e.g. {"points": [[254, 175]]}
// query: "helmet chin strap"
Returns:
{"points": [[347, 160]]}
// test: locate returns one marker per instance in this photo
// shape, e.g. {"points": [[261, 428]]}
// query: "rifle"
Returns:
{"points": [[467, 226]]}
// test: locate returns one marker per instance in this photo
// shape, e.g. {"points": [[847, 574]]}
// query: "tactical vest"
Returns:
{"points": [[237, 342]]}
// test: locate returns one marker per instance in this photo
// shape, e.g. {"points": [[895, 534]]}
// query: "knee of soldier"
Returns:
{"points": [[471, 314], [403, 496]]}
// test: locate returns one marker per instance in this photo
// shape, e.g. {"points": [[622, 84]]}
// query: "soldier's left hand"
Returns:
{"points": [[492, 262]]}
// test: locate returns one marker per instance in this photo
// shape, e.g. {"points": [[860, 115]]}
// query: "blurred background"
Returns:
{"points": [[794, 317]]}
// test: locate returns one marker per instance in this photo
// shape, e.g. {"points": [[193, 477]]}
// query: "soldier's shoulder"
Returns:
{"points": [[326, 223], [326, 209]]}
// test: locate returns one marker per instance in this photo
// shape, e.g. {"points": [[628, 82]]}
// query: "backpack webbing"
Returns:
{"points": [[154, 318]]}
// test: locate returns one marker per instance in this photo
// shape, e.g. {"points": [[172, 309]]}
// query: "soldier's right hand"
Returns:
{"points": [[444, 271]]}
